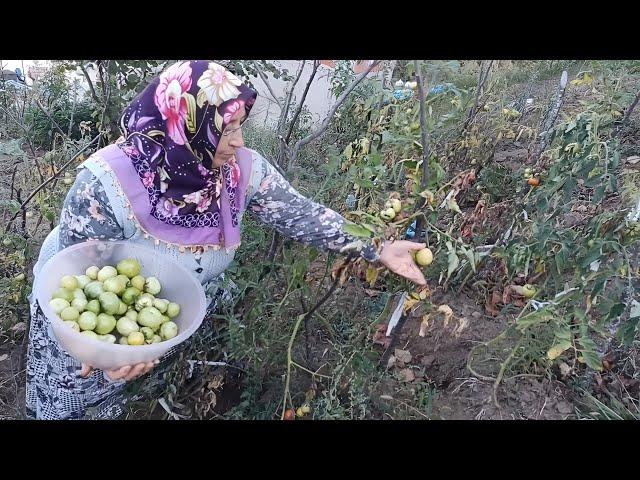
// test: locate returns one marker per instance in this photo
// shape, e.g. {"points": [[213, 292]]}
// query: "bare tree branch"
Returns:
{"points": [[482, 78], [50, 179], [325, 124], [263, 77], [627, 114], [91, 87], [552, 116], [424, 137], [316, 64], [53, 122], [285, 112]]}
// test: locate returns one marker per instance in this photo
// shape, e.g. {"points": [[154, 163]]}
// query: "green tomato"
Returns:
{"points": [[109, 302], [107, 338], [93, 306], [129, 267], [114, 285], [88, 321], [138, 282], [58, 304], [144, 300], [150, 317], [72, 324], [69, 282], [168, 330], [130, 295], [106, 272], [105, 324], [135, 338], [132, 315], [148, 334], [123, 308], [92, 272], [90, 334], [123, 341], [94, 289], [69, 313], [79, 293], [125, 326], [83, 281], [173, 310], [156, 339], [164, 319], [79, 304], [64, 294], [152, 286], [161, 304]]}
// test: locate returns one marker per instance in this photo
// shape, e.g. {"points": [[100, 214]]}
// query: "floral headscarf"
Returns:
{"points": [[171, 132]]}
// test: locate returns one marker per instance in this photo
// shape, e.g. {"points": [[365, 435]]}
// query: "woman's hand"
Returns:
{"points": [[128, 372], [397, 257]]}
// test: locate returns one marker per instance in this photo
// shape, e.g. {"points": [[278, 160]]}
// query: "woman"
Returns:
{"points": [[177, 181]]}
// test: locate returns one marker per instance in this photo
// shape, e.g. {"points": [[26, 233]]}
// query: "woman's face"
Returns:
{"points": [[230, 140]]}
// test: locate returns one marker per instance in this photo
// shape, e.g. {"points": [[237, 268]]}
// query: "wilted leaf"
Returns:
{"points": [[463, 323], [447, 312], [557, 350], [407, 375], [403, 355], [391, 362], [424, 325], [409, 303], [453, 205], [371, 275]]}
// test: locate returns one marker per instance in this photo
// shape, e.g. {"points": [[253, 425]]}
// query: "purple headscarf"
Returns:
{"points": [[171, 132]]}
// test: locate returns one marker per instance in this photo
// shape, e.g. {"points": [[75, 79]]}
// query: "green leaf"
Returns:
{"points": [[561, 259], [356, 230], [599, 285], [598, 194], [589, 354], [534, 318], [453, 262], [472, 260], [615, 311], [563, 333], [348, 152], [591, 256], [568, 188], [627, 331], [191, 112], [12, 205]]}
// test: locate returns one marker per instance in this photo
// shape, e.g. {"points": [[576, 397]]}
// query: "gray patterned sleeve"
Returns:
{"points": [[87, 213], [277, 204]]}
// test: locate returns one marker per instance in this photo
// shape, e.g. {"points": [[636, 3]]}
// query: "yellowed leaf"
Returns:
{"points": [[558, 349], [409, 303], [371, 275], [424, 325], [447, 312]]}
